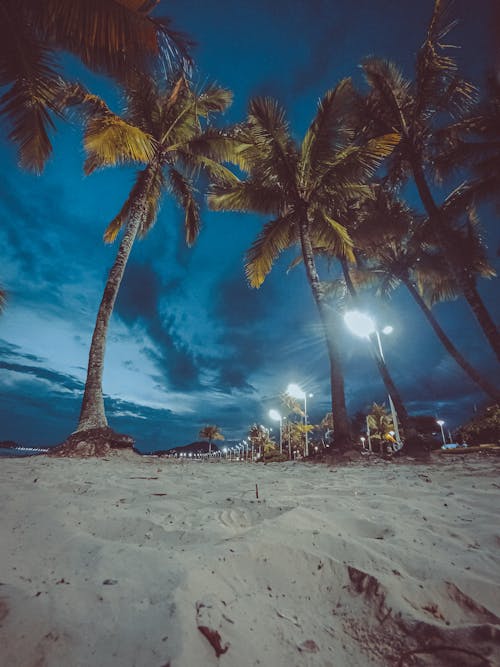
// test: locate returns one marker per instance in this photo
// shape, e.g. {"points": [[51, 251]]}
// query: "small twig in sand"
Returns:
{"points": [[143, 478], [287, 618], [257, 491], [214, 638], [435, 649]]}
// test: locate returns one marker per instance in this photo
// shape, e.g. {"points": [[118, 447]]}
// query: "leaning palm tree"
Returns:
{"points": [[473, 143], [111, 36], [304, 187], [391, 253], [164, 129], [415, 109], [210, 433]]}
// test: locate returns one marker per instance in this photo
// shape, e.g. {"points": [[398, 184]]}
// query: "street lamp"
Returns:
{"points": [[295, 391], [361, 324], [274, 414], [441, 424]]}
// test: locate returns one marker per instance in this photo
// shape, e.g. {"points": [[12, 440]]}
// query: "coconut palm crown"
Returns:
{"points": [[304, 188], [164, 129], [211, 432], [111, 36]]}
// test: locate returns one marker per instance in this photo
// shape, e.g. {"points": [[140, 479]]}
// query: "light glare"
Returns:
{"points": [[295, 391], [360, 324]]}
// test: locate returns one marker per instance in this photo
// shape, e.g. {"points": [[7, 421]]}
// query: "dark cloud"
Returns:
{"points": [[60, 379], [139, 294], [139, 299], [240, 312]]}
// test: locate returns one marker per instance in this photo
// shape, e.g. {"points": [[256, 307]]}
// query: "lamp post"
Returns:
{"points": [[441, 424], [297, 392], [274, 414], [363, 325]]}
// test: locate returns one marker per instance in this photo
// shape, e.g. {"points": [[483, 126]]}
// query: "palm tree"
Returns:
{"points": [[304, 187], [111, 36], [415, 109], [260, 439], [380, 424], [211, 432], [163, 129], [391, 253]]}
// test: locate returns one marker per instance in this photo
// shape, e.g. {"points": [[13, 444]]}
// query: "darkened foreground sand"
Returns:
{"points": [[142, 562]]}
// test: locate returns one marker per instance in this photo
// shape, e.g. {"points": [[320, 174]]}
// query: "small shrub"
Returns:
{"points": [[483, 428]]}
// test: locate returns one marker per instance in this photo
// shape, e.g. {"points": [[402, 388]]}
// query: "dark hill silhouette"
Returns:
{"points": [[199, 447]]}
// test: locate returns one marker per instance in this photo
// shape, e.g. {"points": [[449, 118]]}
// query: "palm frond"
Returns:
{"points": [[390, 94], [275, 237], [216, 144], [216, 172], [29, 72], [329, 129], [245, 196], [436, 287], [438, 87], [356, 163], [213, 99], [269, 151], [109, 140], [183, 190], [111, 35], [335, 237], [143, 104]]}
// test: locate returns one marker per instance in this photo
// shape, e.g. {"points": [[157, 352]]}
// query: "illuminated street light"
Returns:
{"points": [[361, 324], [296, 391], [441, 424], [274, 414]]}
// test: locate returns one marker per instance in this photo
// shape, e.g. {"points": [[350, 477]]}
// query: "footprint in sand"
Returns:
{"points": [[236, 519], [239, 519]]}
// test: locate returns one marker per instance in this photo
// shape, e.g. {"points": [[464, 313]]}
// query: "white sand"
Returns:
{"points": [[330, 567]]}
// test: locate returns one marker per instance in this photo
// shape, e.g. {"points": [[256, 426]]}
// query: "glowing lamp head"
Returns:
{"points": [[295, 391], [274, 414], [359, 323]]}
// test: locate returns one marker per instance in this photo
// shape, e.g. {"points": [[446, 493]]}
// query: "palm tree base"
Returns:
{"points": [[96, 442]]}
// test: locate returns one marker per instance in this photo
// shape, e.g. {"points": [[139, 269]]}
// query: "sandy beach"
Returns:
{"points": [[146, 562]]}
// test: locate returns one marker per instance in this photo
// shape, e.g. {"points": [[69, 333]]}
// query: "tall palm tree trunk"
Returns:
{"points": [[474, 375], [466, 283], [390, 386], [92, 414], [342, 429]]}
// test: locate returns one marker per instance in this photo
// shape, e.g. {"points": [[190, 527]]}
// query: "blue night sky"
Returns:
{"points": [[190, 343]]}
